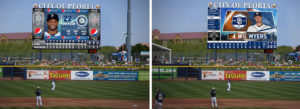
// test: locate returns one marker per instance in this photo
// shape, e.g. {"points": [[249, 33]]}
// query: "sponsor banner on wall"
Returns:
{"points": [[143, 75], [235, 75], [1, 72], [116, 75], [258, 75], [212, 75], [81, 75], [59, 74], [164, 72], [37, 74], [284, 76]]}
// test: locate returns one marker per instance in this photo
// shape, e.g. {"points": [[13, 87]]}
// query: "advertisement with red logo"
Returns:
{"points": [[60, 75], [38, 74], [235, 75]]}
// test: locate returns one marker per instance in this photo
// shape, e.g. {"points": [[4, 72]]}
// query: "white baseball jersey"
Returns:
{"points": [[57, 34], [255, 28]]}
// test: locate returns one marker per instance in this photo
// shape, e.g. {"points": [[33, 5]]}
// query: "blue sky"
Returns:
{"points": [[16, 16], [171, 16]]}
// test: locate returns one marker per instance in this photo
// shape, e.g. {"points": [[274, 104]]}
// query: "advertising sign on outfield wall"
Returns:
{"points": [[81, 75], [164, 72], [284, 76], [37, 74], [143, 75], [235, 75], [59, 74], [212, 75], [1, 73], [258, 75], [116, 75]]}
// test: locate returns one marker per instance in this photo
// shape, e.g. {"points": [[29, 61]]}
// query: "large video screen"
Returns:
{"points": [[65, 28], [242, 28]]}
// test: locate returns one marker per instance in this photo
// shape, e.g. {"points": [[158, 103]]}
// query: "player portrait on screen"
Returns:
{"points": [[52, 24], [259, 26]]}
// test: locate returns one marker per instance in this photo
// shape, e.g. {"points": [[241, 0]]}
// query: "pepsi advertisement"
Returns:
{"points": [[116, 75], [66, 28], [242, 28]]}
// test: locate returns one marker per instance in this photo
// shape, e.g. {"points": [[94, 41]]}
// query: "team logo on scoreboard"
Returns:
{"points": [[82, 20], [239, 21], [38, 31], [94, 32]]}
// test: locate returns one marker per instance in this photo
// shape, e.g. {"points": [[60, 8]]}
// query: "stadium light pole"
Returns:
{"points": [[128, 38]]}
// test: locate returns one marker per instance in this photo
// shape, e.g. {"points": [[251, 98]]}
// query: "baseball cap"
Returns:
{"points": [[52, 16], [213, 88], [257, 14], [38, 87]]}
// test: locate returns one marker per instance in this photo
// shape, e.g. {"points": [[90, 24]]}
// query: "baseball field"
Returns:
{"points": [[244, 94], [75, 94]]}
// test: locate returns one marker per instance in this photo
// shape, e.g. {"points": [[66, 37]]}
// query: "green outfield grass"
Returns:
{"points": [[77, 89], [239, 89]]}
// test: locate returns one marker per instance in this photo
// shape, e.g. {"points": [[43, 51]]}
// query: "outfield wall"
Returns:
{"points": [[251, 75], [170, 73], [88, 75]]}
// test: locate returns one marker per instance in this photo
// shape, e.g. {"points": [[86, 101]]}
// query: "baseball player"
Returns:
{"points": [[52, 24], [159, 98], [38, 93], [53, 84], [259, 26], [229, 85], [213, 94]]}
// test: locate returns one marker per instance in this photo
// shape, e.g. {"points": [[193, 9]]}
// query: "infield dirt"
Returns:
{"points": [[74, 102], [229, 103]]}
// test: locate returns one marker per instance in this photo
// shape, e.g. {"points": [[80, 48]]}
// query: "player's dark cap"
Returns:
{"points": [[52, 16], [257, 14], [157, 90]]}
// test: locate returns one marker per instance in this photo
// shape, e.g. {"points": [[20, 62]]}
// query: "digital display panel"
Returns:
{"points": [[242, 28], [66, 28]]}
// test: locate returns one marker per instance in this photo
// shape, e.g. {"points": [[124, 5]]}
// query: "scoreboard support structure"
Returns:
{"points": [[236, 58], [71, 55], [60, 55], [215, 55], [41, 55], [247, 55]]}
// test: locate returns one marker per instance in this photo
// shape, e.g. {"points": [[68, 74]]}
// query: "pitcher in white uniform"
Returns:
{"points": [[53, 84], [229, 85]]}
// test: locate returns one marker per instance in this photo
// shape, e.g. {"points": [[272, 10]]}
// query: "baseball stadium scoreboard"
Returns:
{"points": [[55, 28], [241, 28]]}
